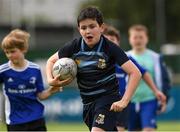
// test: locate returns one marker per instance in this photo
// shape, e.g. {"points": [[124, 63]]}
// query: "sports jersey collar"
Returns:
{"points": [[97, 47], [19, 70], [138, 54]]}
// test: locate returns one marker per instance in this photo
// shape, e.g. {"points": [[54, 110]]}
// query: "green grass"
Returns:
{"points": [[67, 127], [55, 126], [2, 127], [169, 126]]}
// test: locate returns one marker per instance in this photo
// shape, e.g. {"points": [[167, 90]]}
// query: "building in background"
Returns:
{"points": [[54, 12], [52, 19]]}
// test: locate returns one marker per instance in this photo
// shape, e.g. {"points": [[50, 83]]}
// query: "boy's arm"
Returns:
{"points": [[159, 95], [49, 66], [134, 78], [147, 78], [48, 92], [141, 69], [41, 92], [54, 81]]}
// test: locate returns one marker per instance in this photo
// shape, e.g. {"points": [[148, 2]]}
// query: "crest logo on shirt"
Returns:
{"points": [[77, 61], [100, 119], [32, 80], [101, 63]]}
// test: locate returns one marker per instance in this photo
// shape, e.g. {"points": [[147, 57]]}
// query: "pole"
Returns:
{"points": [[160, 22]]}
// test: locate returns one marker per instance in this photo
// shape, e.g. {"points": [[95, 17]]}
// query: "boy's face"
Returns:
{"points": [[138, 40], [91, 31], [15, 55], [113, 39]]}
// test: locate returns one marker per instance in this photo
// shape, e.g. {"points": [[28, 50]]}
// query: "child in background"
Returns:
{"points": [[143, 110], [22, 85], [113, 35]]}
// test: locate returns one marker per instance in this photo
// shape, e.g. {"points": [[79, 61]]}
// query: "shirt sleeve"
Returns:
{"points": [[68, 49], [119, 55], [141, 69], [39, 82]]}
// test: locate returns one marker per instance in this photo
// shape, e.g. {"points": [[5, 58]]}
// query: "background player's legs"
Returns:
{"points": [[17, 127], [37, 125], [134, 123], [148, 115]]}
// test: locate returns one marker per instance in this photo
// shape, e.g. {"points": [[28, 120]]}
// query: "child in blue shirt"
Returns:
{"points": [[22, 85]]}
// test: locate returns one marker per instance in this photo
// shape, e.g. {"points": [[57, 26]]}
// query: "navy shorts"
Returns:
{"points": [[142, 115], [36, 125], [98, 114], [122, 117]]}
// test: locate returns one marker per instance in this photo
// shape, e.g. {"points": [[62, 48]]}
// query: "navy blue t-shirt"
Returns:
{"points": [[96, 67]]}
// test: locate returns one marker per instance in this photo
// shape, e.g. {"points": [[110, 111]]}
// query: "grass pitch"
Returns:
{"points": [[62, 126]]}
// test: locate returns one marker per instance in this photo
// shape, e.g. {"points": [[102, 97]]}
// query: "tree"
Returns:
{"points": [[124, 13]]}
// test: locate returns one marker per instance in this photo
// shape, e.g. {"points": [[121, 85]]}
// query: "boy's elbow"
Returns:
{"points": [[49, 61], [138, 74]]}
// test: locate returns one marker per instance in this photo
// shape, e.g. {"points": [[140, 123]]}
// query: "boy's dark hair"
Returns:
{"points": [[90, 13], [112, 31]]}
